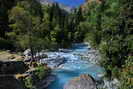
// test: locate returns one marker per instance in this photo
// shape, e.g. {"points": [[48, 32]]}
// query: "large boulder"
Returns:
{"points": [[9, 82], [37, 56], [46, 82], [53, 62], [82, 82], [27, 52]]}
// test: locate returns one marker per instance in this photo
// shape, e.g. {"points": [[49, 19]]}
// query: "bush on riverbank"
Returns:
{"points": [[110, 32], [127, 74], [41, 72], [37, 74]]}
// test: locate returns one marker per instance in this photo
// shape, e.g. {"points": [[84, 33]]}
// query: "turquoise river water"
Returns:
{"points": [[74, 66]]}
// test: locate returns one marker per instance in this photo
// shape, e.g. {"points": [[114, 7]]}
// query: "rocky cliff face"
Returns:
{"points": [[68, 3], [82, 82], [7, 71], [50, 2], [9, 82]]}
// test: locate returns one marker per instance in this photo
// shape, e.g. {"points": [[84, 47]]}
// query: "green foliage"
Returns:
{"points": [[40, 73], [110, 31], [5, 5], [43, 27], [28, 83], [127, 74], [107, 26]]}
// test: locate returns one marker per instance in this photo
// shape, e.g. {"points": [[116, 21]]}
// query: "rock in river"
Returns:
{"points": [[53, 62], [82, 82], [65, 50]]}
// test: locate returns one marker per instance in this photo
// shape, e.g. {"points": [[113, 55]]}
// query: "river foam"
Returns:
{"points": [[74, 66]]}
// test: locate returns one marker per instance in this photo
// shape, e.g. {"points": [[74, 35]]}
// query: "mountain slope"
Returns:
{"points": [[68, 3], [71, 3]]}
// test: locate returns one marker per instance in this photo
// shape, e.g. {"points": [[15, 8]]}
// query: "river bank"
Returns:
{"points": [[74, 66], [80, 59], [17, 74], [66, 64]]}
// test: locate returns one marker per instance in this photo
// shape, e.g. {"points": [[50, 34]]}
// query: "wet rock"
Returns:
{"points": [[82, 82], [27, 52], [65, 50], [93, 56], [46, 82], [53, 62], [37, 56], [111, 84], [27, 59], [44, 56]]}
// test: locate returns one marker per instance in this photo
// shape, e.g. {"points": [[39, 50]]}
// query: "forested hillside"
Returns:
{"points": [[106, 24], [27, 23], [110, 24]]}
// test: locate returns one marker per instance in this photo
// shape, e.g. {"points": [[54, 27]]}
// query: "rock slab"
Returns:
{"points": [[9, 82], [82, 82]]}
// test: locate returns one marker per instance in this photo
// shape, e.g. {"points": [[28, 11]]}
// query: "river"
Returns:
{"points": [[74, 66]]}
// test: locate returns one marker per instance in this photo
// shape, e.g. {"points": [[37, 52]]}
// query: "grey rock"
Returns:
{"points": [[37, 56], [46, 82], [27, 59], [9, 82], [27, 52], [65, 50], [82, 82], [53, 62], [111, 84]]}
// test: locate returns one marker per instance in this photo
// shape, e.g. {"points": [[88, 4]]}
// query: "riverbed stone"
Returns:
{"points": [[81, 82], [27, 52], [46, 82], [54, 62]]}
